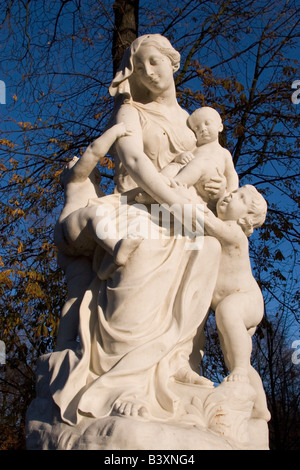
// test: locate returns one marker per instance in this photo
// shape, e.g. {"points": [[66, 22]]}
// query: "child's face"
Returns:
{"points": [[206, 126], [234, 205]]}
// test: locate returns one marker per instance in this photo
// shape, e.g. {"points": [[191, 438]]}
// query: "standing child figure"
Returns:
{"points": [[237, 299]]}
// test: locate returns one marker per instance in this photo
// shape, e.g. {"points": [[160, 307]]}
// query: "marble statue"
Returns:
{"points": [[126, 372], [209, 156], [237, 299], [211, 160]]}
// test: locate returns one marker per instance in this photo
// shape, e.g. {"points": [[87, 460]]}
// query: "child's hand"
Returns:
{"points": [[189, 194], [184, 157]]}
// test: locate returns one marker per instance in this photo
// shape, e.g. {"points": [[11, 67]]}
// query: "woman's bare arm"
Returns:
{"points": [[131, 153]]}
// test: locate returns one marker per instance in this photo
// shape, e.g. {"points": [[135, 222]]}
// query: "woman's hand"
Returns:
{"points": [[144, 198], [216, 186]]}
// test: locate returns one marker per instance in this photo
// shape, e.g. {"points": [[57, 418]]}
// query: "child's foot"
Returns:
{"points": [[125, 247], [129, 408], [238, 374], [187, 375]]}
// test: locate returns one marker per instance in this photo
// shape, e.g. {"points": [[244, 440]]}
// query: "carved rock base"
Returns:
{"points": [[208, 419]]}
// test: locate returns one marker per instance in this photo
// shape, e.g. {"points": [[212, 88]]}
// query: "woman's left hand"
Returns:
{"points": [[216, 186]]}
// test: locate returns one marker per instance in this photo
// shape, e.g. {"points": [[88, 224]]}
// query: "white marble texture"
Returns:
{"points": [[125, 373]]}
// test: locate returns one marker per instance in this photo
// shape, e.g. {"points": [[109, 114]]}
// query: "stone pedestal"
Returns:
{"points": [[216, 418]]}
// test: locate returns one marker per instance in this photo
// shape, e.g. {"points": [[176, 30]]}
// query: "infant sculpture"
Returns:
{"points": [[126, 370]]}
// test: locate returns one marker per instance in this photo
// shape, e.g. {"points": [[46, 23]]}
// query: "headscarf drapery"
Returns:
{"points": [[123, 83]]}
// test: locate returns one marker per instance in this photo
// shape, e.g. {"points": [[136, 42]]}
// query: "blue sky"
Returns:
{"points": [[55, 81]]}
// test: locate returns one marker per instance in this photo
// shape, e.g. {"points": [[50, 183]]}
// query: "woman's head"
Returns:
{"points": [[163, 45], [129, 80]]}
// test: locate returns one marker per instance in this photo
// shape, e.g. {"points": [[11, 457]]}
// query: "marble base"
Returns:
{"points": [[213, 419]]}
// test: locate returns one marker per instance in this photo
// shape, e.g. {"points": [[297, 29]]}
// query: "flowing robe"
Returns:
{"points": [[137, 325]]}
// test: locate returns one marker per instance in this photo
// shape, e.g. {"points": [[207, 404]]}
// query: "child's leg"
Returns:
{"points": [[234, 316], [78, 272], [88, 226], [112, 235], [260, 409]]}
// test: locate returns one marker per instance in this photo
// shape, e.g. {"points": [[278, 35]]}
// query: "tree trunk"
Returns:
{"points": [[126, 28]]}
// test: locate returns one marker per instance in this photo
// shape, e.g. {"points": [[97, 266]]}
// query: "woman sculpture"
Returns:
{"points": [[140, 323]]}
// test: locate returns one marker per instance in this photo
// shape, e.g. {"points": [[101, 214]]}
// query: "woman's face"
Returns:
{"points": [[153, 69]]}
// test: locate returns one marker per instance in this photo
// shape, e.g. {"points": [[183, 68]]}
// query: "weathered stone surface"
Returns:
{"points": [[141, 282], [224, 413]]}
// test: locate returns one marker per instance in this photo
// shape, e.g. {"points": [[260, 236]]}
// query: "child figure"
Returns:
{"points": [[78, 231], [237, 298], [209, 162], [209, 159]]}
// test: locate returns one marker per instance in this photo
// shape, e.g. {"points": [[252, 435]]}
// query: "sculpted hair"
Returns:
{"points": [[199, 112], [163, 45], [257, 211], [124, 83]]}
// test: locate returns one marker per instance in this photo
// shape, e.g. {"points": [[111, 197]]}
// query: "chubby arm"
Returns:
{"points": [[230, 173], [191, 173], [227, 233], [96, 150]]}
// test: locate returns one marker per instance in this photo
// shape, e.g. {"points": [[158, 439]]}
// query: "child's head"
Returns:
{"points": [[206, 123], [246, 206]]}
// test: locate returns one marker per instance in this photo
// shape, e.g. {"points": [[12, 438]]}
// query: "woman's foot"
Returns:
{"points": [[129, 408]]}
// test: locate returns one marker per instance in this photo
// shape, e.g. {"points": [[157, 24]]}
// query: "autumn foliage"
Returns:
{"points": [[237, 56]]}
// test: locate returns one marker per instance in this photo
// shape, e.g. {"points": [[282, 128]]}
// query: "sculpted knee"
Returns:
{"points": [[223, 317]]}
